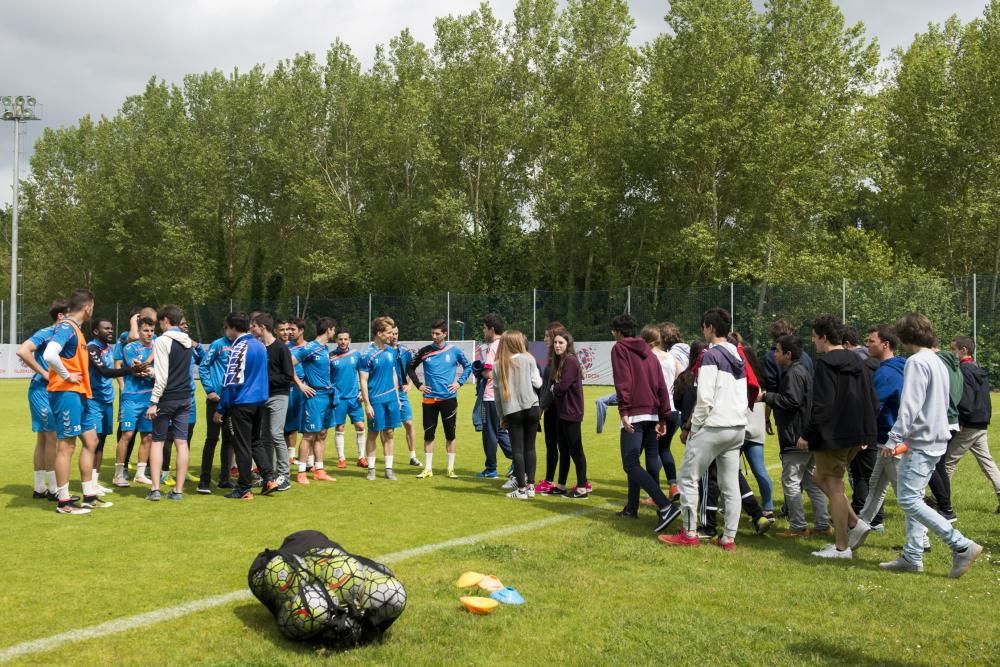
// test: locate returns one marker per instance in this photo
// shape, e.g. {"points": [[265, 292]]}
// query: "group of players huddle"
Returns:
{"points": [[265, 386]]}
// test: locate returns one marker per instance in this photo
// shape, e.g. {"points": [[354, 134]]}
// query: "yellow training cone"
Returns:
{"points": [[478, 605], [469, 580]]}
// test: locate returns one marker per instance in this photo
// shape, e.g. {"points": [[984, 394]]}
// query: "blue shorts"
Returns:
{"points": [[132, 416], [172, 417], [350, 408], [293, 418], [316, 413], [100, 417], [405, 409], [41, 410], [386, 416], [68, 410]]}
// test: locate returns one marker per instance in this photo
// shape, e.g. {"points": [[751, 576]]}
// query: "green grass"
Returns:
{"points": [[599, 590]]}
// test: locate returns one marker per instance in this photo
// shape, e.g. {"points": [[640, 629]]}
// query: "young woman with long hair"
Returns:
{"points": [[550, 419], [518, 380], [567, 379], [651, 333]]}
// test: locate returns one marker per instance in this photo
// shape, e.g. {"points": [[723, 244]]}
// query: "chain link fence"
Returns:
{"points": [[965, 305]]}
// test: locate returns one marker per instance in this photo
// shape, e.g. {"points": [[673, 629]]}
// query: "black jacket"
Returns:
{"points": [[280, 373], [844, 403], [773, 372], [975, 409], [791, 404]]}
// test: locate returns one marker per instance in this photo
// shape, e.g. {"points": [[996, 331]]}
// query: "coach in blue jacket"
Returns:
{"points": [[244, 393]]}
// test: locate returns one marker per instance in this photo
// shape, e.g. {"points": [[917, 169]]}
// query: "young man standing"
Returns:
{"points": [[380, 393], [644, 405], [442, 380], [842, 421], [888, 383], [42, 424], [493, 433], [318, 394], [295, 338], [170, 401], [403, 358], [923, 425], [135, 402], [718, 427], [280, 376], [211, 372], [344, 364], [244, 393], [974, 413], [69, 391], [791, 405]]}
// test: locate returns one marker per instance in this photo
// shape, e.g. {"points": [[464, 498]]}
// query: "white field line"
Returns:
{"points": [[177, 611]]}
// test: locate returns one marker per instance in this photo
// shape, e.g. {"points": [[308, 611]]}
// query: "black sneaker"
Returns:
{"points": [[284, 484], [625, 514], [577, 494], [556, 491], [204, 488], [948, 515], [226, 484], [55, 498], [667, 516], [240, 494], [40, 495]]}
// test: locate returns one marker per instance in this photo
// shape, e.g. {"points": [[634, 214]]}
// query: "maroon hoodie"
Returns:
{"points": [[569, 391], [639, 380]]}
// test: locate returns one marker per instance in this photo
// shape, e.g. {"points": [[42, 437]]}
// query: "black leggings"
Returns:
{"points": [[940, 486], [448, 409], [550, 426], [523, 429], [571, 447], [666, 456]]}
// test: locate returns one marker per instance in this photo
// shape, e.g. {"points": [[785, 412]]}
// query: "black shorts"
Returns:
{"points": [[172, 417], [448, 409]]}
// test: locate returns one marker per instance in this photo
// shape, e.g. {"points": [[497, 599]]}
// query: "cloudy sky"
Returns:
{"points": [[85, 56]]}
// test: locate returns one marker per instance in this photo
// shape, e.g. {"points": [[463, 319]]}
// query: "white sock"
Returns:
{"points": [[88, 489], [302, 466], [119, 470], [318, 465], [361, 443], [39, 481], [338, 438], [140, 470], [94, 477], [451, 460], [388, 463], [50, 481], [428, 459], [63, 492], [371, 462], [311, 461]]}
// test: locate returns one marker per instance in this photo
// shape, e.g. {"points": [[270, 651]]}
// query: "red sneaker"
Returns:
{"points": [[725, 546], [341, 463], [319, 474], [680, 539], [362, 462]]}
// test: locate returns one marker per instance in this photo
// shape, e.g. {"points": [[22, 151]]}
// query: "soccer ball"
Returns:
{"points": [[383, 598], [295, 619], [343, 576], [279, 575]]}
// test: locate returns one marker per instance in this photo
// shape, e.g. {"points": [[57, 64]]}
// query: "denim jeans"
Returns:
{"points": [[754, 453], [883, 474], [797, 467], [642, 439], [914, 471], [493, 434]]}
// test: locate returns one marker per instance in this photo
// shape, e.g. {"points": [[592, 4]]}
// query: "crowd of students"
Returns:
{"points": [[856, 410]]}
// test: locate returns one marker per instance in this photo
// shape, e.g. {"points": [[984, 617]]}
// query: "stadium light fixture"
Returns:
{"points": [[19, 109]]}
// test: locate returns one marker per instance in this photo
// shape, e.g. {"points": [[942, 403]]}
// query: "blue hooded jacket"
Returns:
{"points": [[245, 381], [888, 382]]}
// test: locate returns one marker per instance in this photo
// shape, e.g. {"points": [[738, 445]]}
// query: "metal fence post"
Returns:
{"points": [[448, 315], [116, 316], [369, 317], [298, 313], [534, 312], [230, 305], [732, 303], [628, 300], [843, 300], [975, 321]]}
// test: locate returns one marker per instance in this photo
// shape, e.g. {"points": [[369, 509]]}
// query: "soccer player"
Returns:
{"points": [[923, 424], [344, 364], [244, 393], [211, 372], [42, 423], [295, 337], [403, 358], [446, 369], [280, 376], [380, 393], [717, 431], [318, 396], [69, 390], [135, 402], [101, 407], [170, 399], [493, 433]]}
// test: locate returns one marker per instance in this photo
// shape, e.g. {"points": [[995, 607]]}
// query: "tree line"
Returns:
{"points": [[769, 147]]}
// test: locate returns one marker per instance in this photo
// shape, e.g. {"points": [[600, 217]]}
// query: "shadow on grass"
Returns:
{"points": [[20, 497], [260, 622], [821, 652]]}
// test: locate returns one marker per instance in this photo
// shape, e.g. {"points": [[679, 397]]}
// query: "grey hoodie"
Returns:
{"points": [[172, 366], [922, 421]]}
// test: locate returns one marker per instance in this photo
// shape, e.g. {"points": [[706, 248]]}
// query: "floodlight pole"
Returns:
{"points": [[18, 109]]}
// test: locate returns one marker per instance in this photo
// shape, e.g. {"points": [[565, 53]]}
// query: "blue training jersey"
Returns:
{"points": [[381, 368], [403, 357], [102, 388], [440, 369], [344, 373], [299, 373], [314, 357], [41, 338], [137, 387]]}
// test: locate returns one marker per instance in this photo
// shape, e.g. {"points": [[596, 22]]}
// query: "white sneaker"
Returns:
{"points": [[510, 484], [856, 536], [142, 479], [831, 551], [901, 564], [120, 481], [530, 490], [518, 494], [103, 490]]}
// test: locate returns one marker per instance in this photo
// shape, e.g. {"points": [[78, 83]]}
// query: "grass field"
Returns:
{"points": [[599, 590]]}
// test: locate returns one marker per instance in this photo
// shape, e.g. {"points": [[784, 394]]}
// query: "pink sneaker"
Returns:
{"points": [[543, 487]]}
